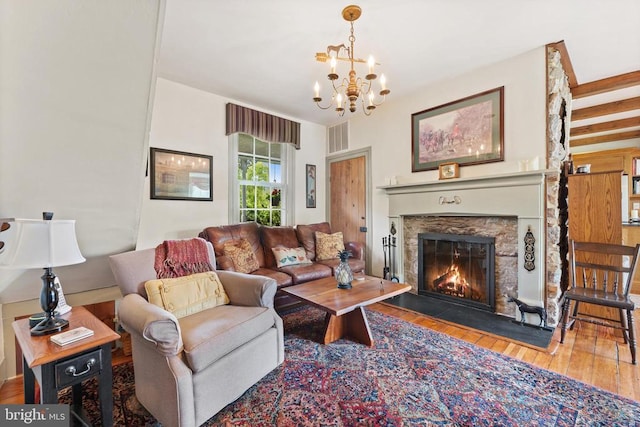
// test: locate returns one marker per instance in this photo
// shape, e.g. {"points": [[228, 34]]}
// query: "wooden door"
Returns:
{"points": [[347, 198]]}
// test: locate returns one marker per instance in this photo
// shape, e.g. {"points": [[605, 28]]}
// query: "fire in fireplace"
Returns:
{"points": [[459, 268]]}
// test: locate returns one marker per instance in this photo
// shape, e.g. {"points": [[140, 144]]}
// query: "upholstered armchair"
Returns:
{"points": [[187, 369]]}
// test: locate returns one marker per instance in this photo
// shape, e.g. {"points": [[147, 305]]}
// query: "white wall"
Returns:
{"points": [[388, 131], [188, 119], [74, 108], [76, 79]]}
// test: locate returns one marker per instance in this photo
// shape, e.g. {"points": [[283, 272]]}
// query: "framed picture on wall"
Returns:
{"points": [[311, 186], [468, 131], [176, 175]]}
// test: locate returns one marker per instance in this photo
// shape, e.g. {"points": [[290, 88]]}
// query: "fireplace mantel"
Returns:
{"points": [[520, 194], [498, 180]]}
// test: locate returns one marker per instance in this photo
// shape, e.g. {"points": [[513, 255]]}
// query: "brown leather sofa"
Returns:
{"points": [[263, 238]]}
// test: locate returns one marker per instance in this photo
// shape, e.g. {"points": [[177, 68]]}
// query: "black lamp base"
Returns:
{"points": [[50, 325]]}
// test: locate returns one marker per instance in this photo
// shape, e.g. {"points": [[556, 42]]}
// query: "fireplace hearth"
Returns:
{"points": [[458, 268]]}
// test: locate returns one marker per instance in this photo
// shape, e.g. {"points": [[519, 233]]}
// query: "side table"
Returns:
{"points": [[56, 367]]}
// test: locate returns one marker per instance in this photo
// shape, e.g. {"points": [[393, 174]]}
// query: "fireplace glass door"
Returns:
{"points": [[458, 268]]}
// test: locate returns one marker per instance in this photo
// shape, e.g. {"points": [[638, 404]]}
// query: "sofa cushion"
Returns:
{"points": [[356, 265], [290, 256], [328, 245], [282, 279], [186, 295], [243, 257], [218, 235], [273, 237], [305, 272], [306, 234], [211, 334]]}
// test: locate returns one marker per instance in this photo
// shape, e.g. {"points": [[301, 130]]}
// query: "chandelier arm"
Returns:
{"points": [[367, 110], [324, 108], [340, 87], [377, 104]]}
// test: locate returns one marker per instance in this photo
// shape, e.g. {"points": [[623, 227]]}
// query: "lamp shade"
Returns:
{"points": [[31, 243]]}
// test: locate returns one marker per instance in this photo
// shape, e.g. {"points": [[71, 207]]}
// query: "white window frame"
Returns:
{"points": [[287, 185]]}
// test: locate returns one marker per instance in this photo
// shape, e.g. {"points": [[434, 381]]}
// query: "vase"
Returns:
{"points": [[275, 201], [344, 275]]}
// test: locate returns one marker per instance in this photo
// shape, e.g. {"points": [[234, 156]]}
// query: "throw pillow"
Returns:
{"points": [[242, 256], [290, 256], [187, 295], [328, 245]]}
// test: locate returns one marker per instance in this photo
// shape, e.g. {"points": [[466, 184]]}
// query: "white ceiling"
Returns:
{"points": [[263, 52]]}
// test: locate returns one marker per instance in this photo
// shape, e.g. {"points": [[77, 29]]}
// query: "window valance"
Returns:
{"points": [[261, 125]]}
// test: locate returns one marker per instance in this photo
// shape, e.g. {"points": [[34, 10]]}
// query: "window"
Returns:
{"points": [[259, 188]]}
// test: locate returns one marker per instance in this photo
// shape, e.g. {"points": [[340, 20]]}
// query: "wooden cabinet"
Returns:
{"points": [[595, 215], [623, 159], [595, 207], [631, 237]]}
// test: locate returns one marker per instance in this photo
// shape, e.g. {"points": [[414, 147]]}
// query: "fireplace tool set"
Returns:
{"points": [[389, 247]]}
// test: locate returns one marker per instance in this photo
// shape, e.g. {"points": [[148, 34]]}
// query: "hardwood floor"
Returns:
{"points": [[591, 354]]}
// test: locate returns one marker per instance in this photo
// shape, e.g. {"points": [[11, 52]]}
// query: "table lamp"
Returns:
{"points": [[46, 243]]}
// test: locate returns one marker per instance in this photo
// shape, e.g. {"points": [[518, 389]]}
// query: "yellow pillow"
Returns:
{"points": [[240, 252], [328, 245], [187, 295]]}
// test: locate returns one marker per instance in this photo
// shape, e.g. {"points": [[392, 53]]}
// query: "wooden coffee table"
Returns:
{"points": [[345, 307]]}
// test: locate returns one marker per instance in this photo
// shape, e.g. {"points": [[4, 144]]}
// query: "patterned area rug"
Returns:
{"points": [[412, 376]]}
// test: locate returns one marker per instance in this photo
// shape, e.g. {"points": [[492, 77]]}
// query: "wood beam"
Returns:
{"points": [[620, 136], [606, 85], [606, 109], [565, 60], [605, 126]]}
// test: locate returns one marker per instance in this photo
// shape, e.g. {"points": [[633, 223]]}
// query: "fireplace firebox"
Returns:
{"points": [[458, 268]]}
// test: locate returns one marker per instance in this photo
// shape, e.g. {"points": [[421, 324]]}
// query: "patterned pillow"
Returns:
{"points": [[242, 256], [187, 295], [328, 245], [290, 256]]}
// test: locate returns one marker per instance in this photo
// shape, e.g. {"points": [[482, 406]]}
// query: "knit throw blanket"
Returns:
{"points": [[177, 258]]}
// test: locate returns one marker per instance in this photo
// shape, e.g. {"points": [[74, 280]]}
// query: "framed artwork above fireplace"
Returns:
{"points": [[467, 132]]}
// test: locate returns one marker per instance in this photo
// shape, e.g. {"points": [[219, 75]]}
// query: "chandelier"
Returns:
{"points": [[353, 87]]}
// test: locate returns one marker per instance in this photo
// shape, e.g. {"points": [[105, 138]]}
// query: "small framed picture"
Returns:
{"points": [[311, 186], [449, 170]]}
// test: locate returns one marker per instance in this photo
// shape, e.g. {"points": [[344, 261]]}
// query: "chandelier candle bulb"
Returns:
{"points": [[333, 65], [372, 62], [316, 89], [383, 83]]}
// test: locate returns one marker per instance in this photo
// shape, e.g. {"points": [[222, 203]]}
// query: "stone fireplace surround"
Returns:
{"points": [[518, 196]]}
